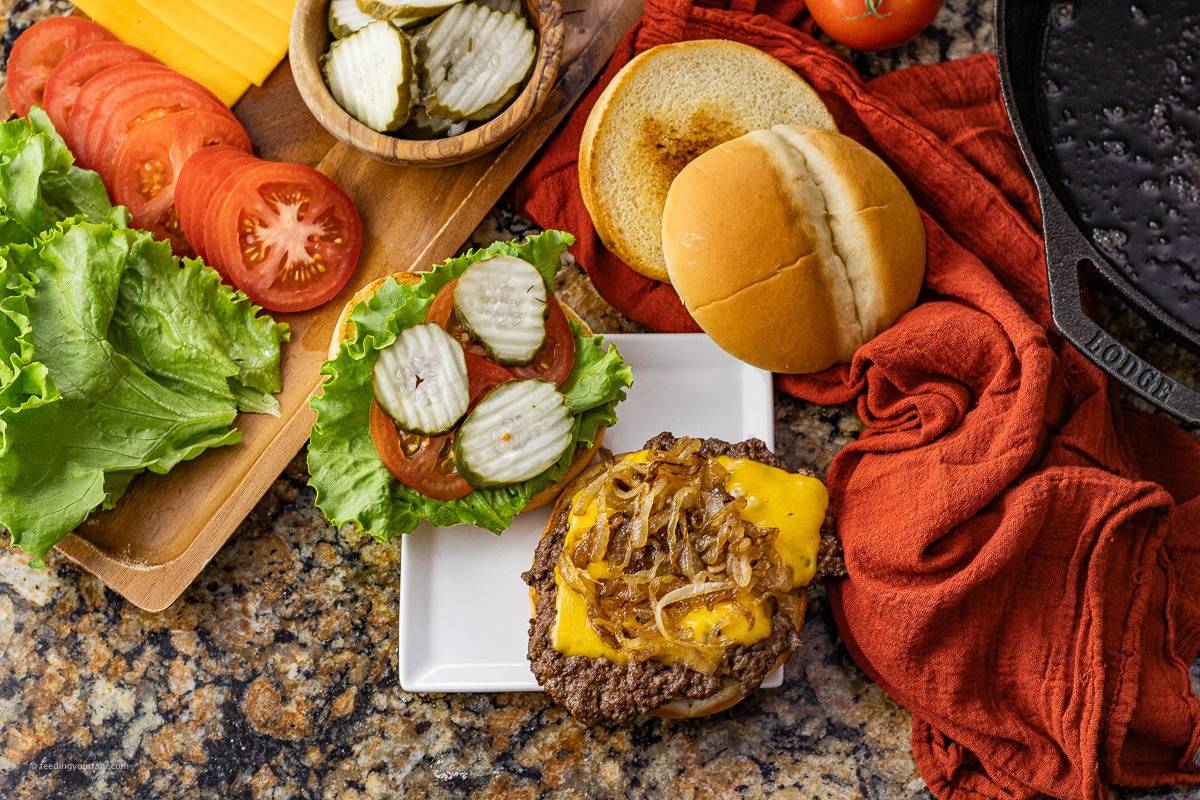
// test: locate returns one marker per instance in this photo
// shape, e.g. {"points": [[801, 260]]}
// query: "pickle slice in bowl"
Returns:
{"points": [[369, 74], [472, 60], [404, 9]]}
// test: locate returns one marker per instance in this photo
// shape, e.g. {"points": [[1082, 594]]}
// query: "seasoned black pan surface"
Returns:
{"points": [[1121, 93], [1104, 98]]}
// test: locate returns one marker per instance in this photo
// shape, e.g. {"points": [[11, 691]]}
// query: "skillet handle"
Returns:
{"points": [[1066, 248]]}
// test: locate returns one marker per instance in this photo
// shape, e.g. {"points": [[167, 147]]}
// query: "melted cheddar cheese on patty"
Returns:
{"points": [[795, 504]]}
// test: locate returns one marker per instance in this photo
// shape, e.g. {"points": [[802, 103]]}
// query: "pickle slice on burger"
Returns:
{"points": [[414, 395], [672, 581]]}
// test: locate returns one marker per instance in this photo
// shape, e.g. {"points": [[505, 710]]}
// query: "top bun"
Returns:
{"points": [[793, 247], [664, 108]]}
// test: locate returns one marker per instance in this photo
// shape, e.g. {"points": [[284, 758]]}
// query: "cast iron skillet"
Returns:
{"points": [[1030, 80]]}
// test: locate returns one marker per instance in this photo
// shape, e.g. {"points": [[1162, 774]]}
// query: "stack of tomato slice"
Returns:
{"points": [[39, 49], [283, 233]]}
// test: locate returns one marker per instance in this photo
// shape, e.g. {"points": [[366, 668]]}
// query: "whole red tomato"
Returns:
{"points": [[873, 24]]}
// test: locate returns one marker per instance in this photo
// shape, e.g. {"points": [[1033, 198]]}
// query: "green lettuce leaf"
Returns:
{"points": [[109, 416], [114, 358], [596, 384], [351, 482], [23, 380], [39, 184], [194, 333]]}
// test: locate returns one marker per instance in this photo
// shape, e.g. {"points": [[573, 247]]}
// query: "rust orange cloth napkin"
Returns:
{"points": [[1023, 551]]}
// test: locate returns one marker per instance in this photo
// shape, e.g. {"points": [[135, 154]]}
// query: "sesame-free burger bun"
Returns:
{"points": [[344, 329], [641, 667], [792, 247], [664, 108]]}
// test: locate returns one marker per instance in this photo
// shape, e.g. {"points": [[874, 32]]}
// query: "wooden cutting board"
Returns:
{"points": [[167, 527]]}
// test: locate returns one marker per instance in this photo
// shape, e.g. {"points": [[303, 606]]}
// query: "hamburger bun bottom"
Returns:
{"points": [[727, 697], [664, 108], [344, 329], [730, 693]]}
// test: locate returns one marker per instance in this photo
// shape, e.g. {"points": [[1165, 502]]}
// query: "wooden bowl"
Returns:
{"points": [[310, 39]]}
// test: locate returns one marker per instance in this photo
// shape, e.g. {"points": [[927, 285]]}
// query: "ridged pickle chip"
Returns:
{"points": [[505, 6], [345, 18], [472, 60], [369, 74], [398, 9]]}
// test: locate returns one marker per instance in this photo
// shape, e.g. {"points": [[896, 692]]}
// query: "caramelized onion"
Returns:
{"points": [[686, 592], [738, 565], [675, 542]]}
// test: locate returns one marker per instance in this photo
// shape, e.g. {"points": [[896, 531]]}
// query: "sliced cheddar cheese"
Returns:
{"points": [[795, 504], [130, 23], [280, 8], [267, 29], [573, 635], [195, 24], [703, 622]]}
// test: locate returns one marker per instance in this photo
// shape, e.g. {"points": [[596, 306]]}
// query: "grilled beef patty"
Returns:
{"points": [[598, 691]]}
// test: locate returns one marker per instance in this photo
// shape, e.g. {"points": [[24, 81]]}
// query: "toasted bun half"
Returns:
{"points": [[731, 694], [664, 108], [345, 330], [792, 247]]}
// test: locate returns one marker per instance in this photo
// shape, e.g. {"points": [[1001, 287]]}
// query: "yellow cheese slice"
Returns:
{"points": [[571, 634], [129, 23], [191, 21], [282, 9], [255, 22], [795, 504], [701, 622]]}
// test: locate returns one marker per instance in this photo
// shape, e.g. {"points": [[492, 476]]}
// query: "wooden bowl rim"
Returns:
{"points": [[309, 24]]}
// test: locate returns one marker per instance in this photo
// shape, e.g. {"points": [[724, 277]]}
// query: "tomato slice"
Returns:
{"points": [[441, 311], [65, 81], [420, 462], [442, 307], [288, 236], [98, 89], [483, 375], [553, 362], [196, 186], [149, 162], [210, 218], [137, 102], [39, 49]]}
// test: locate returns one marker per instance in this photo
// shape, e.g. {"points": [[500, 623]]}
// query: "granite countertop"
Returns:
{"points": [[275, 674]]}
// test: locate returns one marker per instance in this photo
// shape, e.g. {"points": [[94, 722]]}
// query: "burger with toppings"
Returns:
{"points": [[460, 395], [672, 581]]}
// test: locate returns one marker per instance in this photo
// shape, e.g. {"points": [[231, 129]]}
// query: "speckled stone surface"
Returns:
{"points": [[275, 674]]}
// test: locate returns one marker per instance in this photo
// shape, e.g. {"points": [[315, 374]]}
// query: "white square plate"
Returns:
{"points": [[464, 610]]}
